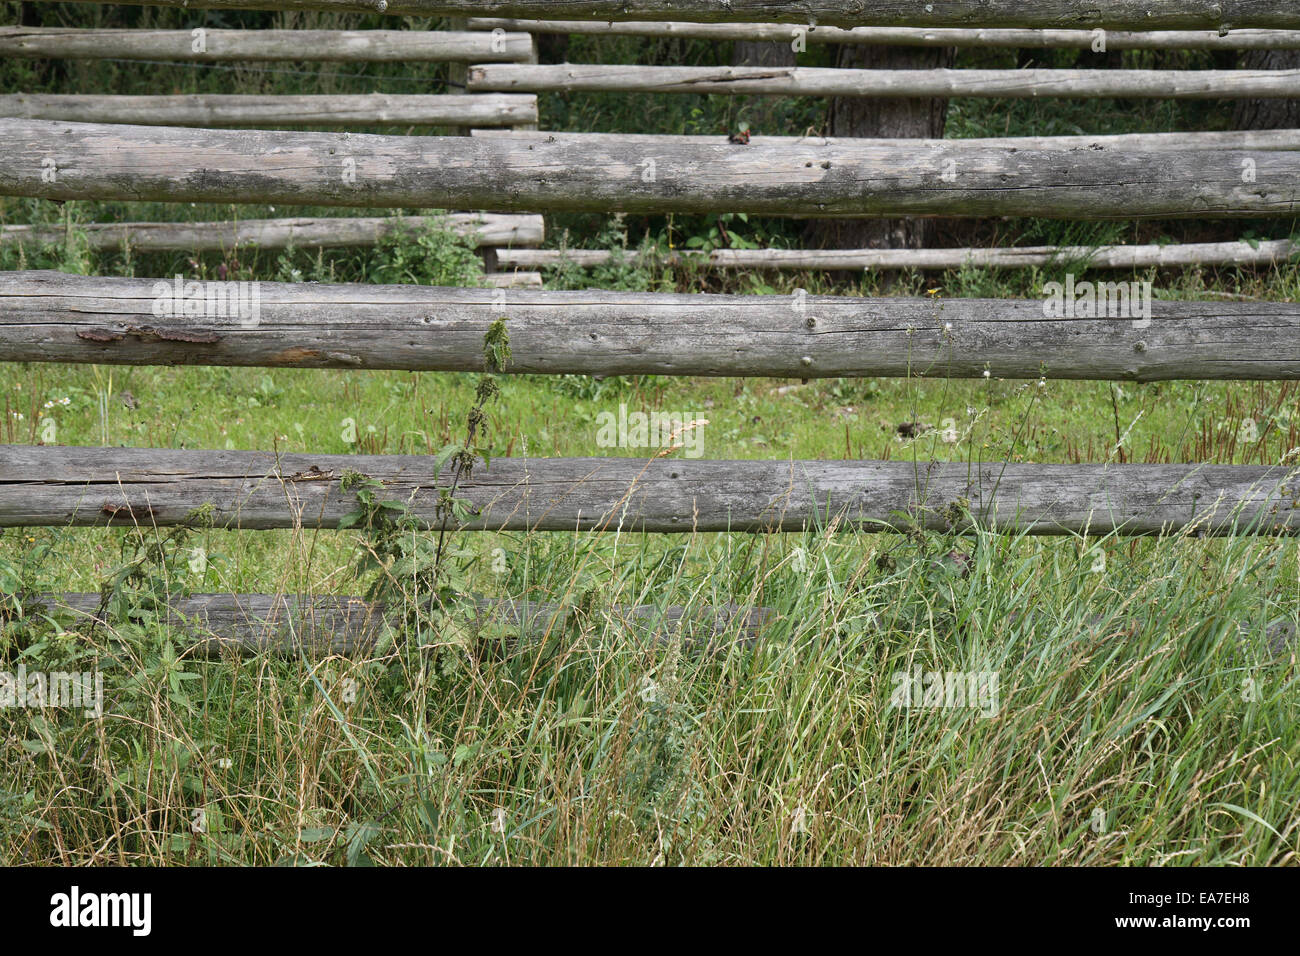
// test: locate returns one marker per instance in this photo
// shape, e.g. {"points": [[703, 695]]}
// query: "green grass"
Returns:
{"points": [[1142, 716]]}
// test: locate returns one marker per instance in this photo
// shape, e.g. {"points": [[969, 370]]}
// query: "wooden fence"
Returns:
{"points": [[463, 113], [61, 318]]}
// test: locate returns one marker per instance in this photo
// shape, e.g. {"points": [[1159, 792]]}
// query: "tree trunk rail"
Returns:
{"points": [[153, 487], [1109, 14], [56, 317], [219, 110], [909, 36], [1240, 253], [59, 160], [320, 626], [483, 229], [1240, 140], [826, 81], [222, 46]]}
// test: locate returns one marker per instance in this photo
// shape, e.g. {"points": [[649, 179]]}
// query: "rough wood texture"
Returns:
{"points": [[216, 46], [239, 109], [908, 36], [1113, 14], [257, 490], [55, 317], [513, 280], [56, 160], [1287, 139], [1102, 257], [485, 229], [320, 626], [823, 81]]}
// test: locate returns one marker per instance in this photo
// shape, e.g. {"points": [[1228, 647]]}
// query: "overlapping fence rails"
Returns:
{"points": [[1110, 14], [908, 36], [482, 229], [54, 317], [825, 81], [95, 161], [151, 487], [203, 45], [251, 110], [217, 46]]}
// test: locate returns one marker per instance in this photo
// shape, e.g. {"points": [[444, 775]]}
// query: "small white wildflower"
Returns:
{"points": [[225, 763], [987, 373]]}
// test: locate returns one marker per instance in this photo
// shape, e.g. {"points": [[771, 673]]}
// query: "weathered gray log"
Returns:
{"points": [[320, 626], [1253, 140], [485, 229], [1112, 14], [1239, 253], [56, 317], [908, 36], [513, 280], [258, 490], [241, 109], [825, 81], [56, 160], [217, 46]]}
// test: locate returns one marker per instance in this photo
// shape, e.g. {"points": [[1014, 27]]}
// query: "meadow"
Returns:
{"points": [[1146, 706]]}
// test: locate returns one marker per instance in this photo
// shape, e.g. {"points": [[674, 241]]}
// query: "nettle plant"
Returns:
{"points": [[431, 255], [413, 577]]}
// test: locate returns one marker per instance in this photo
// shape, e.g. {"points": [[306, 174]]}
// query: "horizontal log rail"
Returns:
{"points": [[221, 46], [1269, 139], [250, 110], [1113, 14], [287, 625], [216, 625], [908, 36], [823, 81], [54, 486], [483, 229], [1240, 253], [56, 160], [56, 317]]}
